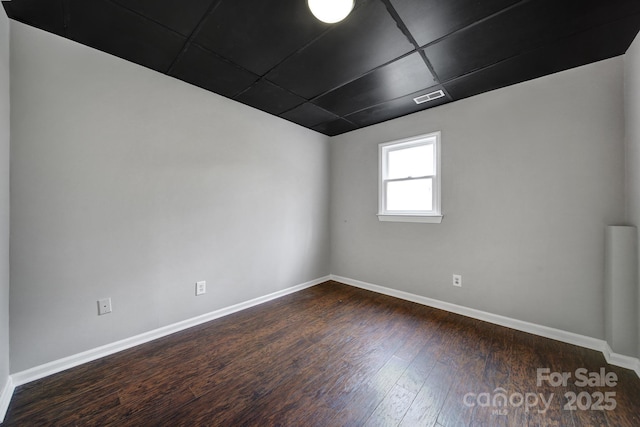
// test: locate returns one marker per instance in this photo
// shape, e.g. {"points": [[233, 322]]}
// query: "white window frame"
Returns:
{"points": [[432, 216]]}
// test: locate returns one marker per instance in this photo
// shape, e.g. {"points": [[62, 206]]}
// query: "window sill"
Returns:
{"points": [[430, 219]]}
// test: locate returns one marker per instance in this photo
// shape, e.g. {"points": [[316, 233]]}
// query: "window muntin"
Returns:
{"points": [[409, 181]]}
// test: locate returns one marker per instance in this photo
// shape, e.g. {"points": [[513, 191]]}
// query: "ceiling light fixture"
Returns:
{"points": [[330, 11]]}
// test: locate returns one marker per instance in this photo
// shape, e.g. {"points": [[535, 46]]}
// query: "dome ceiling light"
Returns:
{"points": [[330, 11]]}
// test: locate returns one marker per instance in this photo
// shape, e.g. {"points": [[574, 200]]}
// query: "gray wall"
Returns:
{"points": [[632, 128], [531, 175], [129, 184], [132, 185], [4, 200]]}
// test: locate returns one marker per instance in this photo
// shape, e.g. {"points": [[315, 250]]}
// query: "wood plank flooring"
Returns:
{"points": [[334, 355]]}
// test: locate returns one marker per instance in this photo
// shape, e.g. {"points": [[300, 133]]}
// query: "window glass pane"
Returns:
{"points": [[413, 195], [410, 162]]}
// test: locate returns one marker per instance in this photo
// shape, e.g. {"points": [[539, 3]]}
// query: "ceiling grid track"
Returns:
{"points": [[214, 5], [402, 27]]}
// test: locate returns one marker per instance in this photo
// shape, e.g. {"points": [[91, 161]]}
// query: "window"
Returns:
{"points": [[410, 180]]}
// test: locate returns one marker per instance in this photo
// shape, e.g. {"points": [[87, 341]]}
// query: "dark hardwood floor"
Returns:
{"points": [[334, 355]]}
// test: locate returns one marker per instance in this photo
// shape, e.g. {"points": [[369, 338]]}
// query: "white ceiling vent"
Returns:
{"points": [[429, 97]]}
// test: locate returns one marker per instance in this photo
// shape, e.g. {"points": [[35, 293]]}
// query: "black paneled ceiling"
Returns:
{"points": [[275, 56]]}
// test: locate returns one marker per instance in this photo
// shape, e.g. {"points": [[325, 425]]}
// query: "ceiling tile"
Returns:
{"points": [[112, 29], [521, 28], [259, 34], [395, 108], [368, 38], [394, 80], [182, 19], [273, 55], [205, 69], [48, 15], [428, 21], [580, 49], [308, 115], [268, 97], [335, 127]]}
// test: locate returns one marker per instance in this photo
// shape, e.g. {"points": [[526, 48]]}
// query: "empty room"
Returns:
{"points": [[319, 213]]}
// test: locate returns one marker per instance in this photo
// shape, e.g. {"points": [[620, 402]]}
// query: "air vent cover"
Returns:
{"points": [[429, 97]]}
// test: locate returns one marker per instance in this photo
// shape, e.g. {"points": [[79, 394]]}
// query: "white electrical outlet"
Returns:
{"points": [[104, 306], [457, 280], [201, 288]]}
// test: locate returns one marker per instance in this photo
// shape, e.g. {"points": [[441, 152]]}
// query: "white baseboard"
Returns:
{"points": [[5, 398], [532, 328], [616, 359], [60, 365]]}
